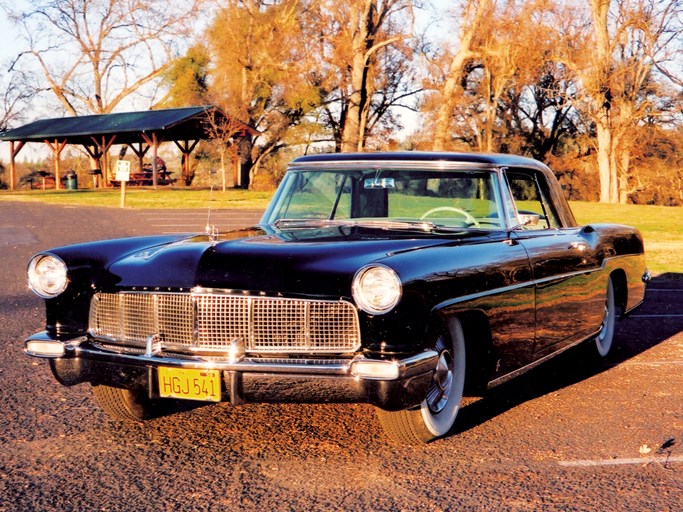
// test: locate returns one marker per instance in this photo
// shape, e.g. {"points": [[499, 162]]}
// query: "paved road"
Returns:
{"points": [[571, 435]]}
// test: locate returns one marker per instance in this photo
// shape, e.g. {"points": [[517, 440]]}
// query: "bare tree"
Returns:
{"points": [[228, 135], [501, 91], [474, 14], [630, 40], [539, 113], [96, 54], [17, 93], [365, 53], [365, 28]]}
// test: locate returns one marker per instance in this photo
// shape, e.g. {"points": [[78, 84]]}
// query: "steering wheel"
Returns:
{"points": [[468, 217]]}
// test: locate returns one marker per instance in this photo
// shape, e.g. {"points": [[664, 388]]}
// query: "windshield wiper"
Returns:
{"points": [[461, 229], [370, 223], [304, 223], [388, 224], [419, 225]]}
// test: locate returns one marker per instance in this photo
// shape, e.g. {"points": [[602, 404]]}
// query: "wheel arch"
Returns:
{"points": [[620, 284], [479, 353]]}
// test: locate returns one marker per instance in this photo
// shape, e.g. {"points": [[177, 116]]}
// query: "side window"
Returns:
{"points": [[531, 207]]}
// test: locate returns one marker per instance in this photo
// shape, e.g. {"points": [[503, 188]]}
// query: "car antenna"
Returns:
{"points": [[211, 230]]}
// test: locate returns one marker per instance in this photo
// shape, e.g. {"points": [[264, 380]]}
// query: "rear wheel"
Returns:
{"points": [[123, 404], [604, 339], [436, 415]]}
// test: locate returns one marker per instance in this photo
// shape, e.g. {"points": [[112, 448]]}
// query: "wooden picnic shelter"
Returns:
{"points": [[139, 131]]}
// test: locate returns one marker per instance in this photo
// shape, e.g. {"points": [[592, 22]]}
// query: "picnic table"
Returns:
{"points": [[145, 178]]}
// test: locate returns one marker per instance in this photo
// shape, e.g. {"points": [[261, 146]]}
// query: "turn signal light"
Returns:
{"points": [[45, 348], [376, 370]]}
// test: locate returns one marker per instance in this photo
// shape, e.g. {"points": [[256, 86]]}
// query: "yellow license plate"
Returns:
{"points": [[190, 384]]}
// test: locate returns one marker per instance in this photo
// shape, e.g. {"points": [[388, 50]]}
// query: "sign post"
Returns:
{"points": [[122, 176]]}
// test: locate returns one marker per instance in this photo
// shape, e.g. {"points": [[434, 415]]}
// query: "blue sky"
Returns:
{"points": [[11, 44]]}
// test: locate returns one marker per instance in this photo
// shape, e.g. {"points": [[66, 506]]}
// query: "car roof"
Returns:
{"points": [[407, 157]]}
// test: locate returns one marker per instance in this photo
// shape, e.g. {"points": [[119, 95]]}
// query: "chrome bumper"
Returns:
{"points": [[83, 347], [390, 383]]}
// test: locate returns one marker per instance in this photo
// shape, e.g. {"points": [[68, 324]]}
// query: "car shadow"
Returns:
{"points": [[577, 364], [634, 335]]}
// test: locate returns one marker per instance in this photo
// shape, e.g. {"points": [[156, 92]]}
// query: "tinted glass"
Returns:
{"points": [[450, 198]]}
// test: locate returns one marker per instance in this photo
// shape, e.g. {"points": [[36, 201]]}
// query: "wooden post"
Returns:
{"points": [[58, 181], [140, 152], [155, 170], [56, 148], [123, 194], [154, 142], [12, 166], [95, 155], [122, 176], [13, 151], [186, 149], [99, 151]]}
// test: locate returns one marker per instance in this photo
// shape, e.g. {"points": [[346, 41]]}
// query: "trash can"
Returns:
{"points": [[71, 181]]}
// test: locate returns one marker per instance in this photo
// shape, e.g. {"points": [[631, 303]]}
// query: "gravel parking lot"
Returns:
{"points": [[574, 434]]}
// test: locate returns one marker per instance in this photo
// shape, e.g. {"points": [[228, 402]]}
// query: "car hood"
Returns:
{"points": [[301, 261]]}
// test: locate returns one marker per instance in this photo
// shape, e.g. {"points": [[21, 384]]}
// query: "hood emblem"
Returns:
{"points": [[212, 233]]}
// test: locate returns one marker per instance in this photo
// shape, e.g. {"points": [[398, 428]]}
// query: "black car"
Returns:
{"points": [[403, 280]]}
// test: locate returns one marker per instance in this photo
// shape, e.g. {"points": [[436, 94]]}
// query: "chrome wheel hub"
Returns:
{"points": [[444, 373], [443, 382], [605, 325]]}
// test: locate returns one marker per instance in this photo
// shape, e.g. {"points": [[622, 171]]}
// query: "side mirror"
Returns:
{"points": [[528, 219]]}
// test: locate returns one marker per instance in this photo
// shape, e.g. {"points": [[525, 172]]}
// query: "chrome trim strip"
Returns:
{"points": [[393, 164], [195, 316], [80, 348], [561, 277], [307, 325], [250, 323], [525, 284], [479, 295]]}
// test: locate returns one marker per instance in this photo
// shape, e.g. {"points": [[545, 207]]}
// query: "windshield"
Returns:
{"points": [[459, 199]]}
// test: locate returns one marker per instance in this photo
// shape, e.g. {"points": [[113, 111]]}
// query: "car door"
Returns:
{"points": [[564, 262]]}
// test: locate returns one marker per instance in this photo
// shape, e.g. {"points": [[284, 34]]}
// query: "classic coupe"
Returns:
{"points": [[403, 280]]}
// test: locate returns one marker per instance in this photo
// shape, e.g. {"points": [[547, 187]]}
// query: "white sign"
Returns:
{"points": [[122, 170]]}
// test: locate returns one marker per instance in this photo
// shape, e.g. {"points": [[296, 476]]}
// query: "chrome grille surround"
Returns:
{"points": [[208, 320]]}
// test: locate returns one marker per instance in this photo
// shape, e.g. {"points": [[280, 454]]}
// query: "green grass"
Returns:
{"points": [[145, 198], [661, 226]]}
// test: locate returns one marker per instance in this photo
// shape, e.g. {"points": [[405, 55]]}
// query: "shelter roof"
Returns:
{"points": [[189, 123]]}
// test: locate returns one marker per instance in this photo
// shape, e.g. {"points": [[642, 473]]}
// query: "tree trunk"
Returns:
{"points": [[246, 162], [624, 189], [223, 170], [362, 18], [602, 98], [351, 136], [604, 138], [454, 78]]}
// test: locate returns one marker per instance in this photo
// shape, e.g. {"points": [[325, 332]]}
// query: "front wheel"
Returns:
{"points": [[123, 404], [436, 415]]}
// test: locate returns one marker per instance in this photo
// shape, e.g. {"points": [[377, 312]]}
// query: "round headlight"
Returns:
{"points": [[47, 275], [376, 289]]}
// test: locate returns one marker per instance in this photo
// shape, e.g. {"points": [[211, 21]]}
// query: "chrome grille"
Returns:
{"points": [[211, 320]]}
